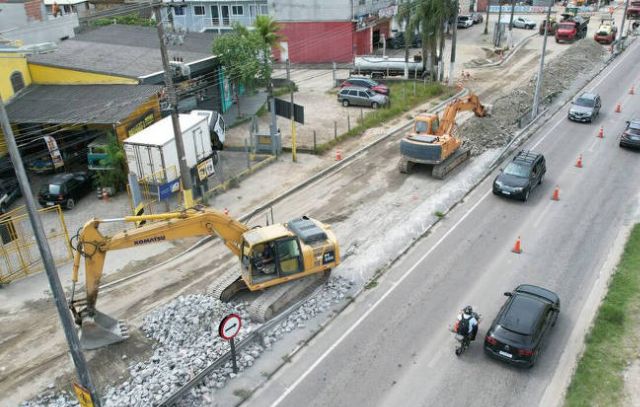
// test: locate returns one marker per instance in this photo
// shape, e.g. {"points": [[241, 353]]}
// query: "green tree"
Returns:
{"points": [[116, 174], [240, 56]]}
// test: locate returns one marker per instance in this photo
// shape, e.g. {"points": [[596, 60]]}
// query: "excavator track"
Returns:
{"points": [[227, 286], [405, 166], [275, 299], [441, 170]]}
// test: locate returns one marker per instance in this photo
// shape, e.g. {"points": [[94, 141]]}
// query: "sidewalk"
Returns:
{"points": [[249, 106]]}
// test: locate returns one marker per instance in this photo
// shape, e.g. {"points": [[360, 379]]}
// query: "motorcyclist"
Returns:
{"points": [[468, 314]]}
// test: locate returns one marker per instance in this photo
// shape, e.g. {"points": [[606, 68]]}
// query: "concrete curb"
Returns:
{"points": [[510, 54]]}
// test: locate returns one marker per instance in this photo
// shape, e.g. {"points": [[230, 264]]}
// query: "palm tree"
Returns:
{"points": [[429, 17], [403, 17], [268, 30]]}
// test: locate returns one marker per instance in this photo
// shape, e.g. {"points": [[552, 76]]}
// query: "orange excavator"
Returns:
{"points": [[433, 141]]}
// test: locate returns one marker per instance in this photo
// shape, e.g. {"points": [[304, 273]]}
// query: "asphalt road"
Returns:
{"points": [[392, 346]]}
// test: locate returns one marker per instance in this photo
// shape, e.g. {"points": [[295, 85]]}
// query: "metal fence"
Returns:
{"points": [[18, 248]]}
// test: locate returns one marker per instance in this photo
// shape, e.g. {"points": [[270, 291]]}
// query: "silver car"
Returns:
{"points": [[358, 96]]}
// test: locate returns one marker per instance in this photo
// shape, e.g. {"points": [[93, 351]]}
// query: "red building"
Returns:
{"points": [[335, 32]]}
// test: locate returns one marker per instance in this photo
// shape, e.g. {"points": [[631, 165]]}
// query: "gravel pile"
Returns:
{"points": [[575, 65], [185, 331]]}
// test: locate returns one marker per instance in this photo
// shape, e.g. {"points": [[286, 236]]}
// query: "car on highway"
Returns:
{"points": [[525, 172], [585, 108], [359, 96], [518, 332], [366, 83], [524, 22], [65, 189], [631, 135], [465, 21], [477, 18]]}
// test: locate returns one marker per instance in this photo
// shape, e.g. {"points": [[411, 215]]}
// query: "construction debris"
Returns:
{"points": [[562, 74]]}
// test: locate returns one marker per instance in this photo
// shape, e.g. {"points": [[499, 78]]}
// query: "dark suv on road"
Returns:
{"points": [[65, 190], [521, 175], [585, 108], [517, 334], [631, 135]]}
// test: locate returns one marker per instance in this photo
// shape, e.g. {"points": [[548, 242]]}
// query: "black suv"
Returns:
{"points": [[65, 190], [9, 192], [521, 175], [631, 135], [518, 332], [585, 108]]}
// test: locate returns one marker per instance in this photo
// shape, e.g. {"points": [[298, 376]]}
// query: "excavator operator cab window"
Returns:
{"points": [[263, 261], [422, 127], [289, 261], [435, 124]]}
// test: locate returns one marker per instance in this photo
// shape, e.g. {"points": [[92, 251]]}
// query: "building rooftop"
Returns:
{"points": [[78, 104]]}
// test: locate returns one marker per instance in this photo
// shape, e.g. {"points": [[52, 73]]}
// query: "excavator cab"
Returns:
{"points": [[426, 124]]}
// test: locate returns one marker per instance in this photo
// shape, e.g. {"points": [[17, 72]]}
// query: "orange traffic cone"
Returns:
{"points": [[556, 194], [579, 161], [618, 108], [517, 248], [632, 91], [601, 132], [338, 155], [226, 211]]}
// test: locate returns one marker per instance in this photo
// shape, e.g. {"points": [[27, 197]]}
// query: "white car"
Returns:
{"points": [[523, 22], [465, 21]]}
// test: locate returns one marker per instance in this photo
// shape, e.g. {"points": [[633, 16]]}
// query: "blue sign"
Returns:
{"points": [[165, 190]]}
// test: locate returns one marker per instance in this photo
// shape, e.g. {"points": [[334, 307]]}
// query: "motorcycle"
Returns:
{"points": [[464, 341]]}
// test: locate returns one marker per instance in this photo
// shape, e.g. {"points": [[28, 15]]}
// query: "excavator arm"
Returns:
{"points": [[471, 102], [93, 245]]}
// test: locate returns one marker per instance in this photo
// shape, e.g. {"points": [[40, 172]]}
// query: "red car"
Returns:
{"points": [[367, 83]]}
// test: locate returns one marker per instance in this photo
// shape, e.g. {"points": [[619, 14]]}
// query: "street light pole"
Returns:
{"points": [[185, 171], [486, 22], [510, 38], [47, 260], [536, 96], [453, 46], [624, 17], [497, 42]]}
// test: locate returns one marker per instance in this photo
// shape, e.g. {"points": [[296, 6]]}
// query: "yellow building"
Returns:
{"points": [[14, 74]]}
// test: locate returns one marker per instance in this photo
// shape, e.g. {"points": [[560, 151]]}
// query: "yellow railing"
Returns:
{"points": [[19, 252]]}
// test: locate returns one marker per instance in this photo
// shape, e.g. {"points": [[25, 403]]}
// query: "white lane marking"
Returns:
{"points": [[375, 305], [593, 143]]}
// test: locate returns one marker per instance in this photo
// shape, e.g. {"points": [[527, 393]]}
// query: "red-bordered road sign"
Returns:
{"points": [[230, 326]]}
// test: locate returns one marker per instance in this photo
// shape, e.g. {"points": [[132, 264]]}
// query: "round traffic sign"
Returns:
{"points": [[230, 326]]}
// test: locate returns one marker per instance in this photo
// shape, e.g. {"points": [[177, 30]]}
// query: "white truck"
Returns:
{"points": [[152, 155]]}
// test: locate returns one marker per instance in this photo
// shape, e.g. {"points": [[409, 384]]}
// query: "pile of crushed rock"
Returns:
{"points": [[560, 74], [186, 341]]}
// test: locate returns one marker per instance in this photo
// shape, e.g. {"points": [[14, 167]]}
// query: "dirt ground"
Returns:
{"points": [[350, 202]]}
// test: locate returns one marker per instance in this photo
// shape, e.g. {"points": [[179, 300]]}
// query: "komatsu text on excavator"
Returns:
{"points": [[433, 141], [303, 249]]}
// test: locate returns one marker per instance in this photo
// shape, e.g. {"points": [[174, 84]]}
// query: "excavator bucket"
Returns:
{"points": [[101, 330]]}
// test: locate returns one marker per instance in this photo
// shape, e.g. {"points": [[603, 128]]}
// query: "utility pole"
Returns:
{"points": [[499, 37], [293, 122], [486, 20], [185, 171], [536, 96], [510, 37], [47, 260], [624, 17], [452, 72]]}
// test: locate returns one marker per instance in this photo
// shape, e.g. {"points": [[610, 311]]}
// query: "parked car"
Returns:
{"points": [[631, 135], [477, 18], [359, 96], [9, 192], [65, 189], [518, 332], [585, 108], [525, 172], [465, 21], [524, 22], [398, 41], [366, 83]]}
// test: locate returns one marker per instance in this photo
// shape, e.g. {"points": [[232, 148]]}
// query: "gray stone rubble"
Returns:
{"points": [[185, 331]]}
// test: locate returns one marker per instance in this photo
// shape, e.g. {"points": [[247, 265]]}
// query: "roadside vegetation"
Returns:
{"points": [[404, 97], [129, 19], [613, 340]]}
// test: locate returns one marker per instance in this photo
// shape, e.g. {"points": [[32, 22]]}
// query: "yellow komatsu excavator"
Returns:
{"points": [[303, 249], [432, 141]]}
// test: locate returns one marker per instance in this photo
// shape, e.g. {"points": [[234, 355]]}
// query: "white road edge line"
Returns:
{"points": [[408, 272], [378, 302]]}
